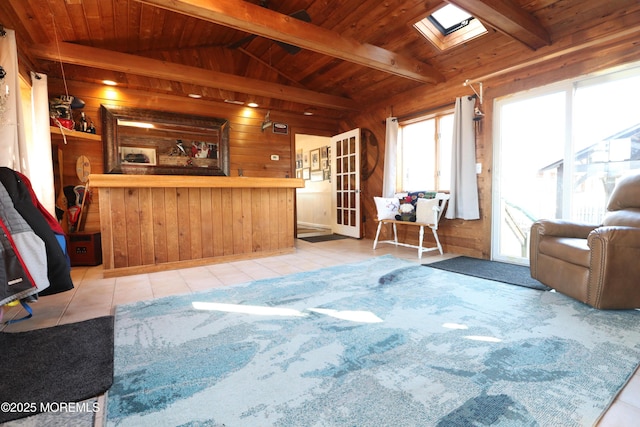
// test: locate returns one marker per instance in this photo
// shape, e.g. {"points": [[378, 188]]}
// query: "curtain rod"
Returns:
{"points": [[423, 112], [428, 111]]}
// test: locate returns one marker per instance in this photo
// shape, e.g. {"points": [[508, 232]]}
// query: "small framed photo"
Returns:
{"points": [[324, 152], [281, 128], [317, 176], [306, 174], [315, 159], [305, 159], [326, 174], [298, 173], [299, 159]]}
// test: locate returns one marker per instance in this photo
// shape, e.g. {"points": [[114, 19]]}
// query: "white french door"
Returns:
{"points": [[345, 183]]}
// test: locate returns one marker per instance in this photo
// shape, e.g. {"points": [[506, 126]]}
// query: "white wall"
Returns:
{"points": [[314, 200]]}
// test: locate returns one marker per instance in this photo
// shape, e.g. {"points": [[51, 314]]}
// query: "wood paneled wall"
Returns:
{"points": [[250, 147]]}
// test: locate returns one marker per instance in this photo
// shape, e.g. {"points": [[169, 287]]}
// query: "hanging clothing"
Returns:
{"points": [[58, 268], [28, 246], [15, 281]]}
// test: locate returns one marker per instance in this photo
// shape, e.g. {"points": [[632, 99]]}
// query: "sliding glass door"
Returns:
{"points": [[558, 153]]}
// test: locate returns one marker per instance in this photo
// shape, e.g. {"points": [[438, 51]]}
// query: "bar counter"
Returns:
{"points": [[162, 222]]}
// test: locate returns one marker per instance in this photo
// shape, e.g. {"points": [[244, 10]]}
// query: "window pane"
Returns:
{"points": [[450, 16], [418, 156]]}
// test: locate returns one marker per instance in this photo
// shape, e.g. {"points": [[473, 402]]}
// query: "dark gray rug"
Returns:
{"points": [[323, 238], [493, 270], [44, 368]]}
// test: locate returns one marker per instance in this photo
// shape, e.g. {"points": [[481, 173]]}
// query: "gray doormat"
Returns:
{"points": [[493, 270], [64, 363], [323, 238]]}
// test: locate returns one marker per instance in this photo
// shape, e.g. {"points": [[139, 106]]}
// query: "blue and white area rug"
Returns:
{"points": [[383, 342]]}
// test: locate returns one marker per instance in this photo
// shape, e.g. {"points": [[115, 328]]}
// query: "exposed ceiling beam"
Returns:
{"points": [[509, 19], [263, 22], [126, 63]]}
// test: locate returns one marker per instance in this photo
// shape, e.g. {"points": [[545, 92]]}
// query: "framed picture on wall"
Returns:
{"points": [[324, 152], [305, 159], [306, 174], [315, 159], [298, 173], [299, 159]]}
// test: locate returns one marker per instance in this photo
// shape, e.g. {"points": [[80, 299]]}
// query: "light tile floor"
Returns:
{"points": [[95, 296]]}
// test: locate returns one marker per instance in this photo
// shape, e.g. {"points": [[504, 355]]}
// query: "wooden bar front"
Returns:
{"points": [[162, 222]]}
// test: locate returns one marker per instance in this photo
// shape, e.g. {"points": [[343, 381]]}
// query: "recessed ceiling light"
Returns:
{"points": [[252, 105], [195, 96], [109, 83], [308, 113]]}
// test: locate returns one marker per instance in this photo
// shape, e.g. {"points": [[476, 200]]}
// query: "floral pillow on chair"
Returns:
{"points": [[387, 207]]}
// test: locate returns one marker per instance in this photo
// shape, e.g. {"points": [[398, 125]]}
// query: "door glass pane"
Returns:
{"points": [[607, 143], [529, 176]]}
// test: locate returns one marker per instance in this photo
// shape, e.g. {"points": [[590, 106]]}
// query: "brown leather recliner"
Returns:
{"points": [[596, 264]]}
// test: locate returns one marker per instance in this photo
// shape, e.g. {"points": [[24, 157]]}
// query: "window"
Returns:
{"points": [[558, 153], [449, 19], [449, 26], [425, 154]]}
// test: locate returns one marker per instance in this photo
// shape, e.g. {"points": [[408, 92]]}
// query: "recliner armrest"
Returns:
{"points": [[562, 228], [614, 271], [626, 237], [553, 227]]}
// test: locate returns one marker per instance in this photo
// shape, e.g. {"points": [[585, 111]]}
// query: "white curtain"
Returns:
{"points": [[464, 183], [40, 156], [25, 138], [390, 157], [12, 136]]}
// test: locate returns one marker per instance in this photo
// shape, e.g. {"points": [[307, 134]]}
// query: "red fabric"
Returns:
{"points": [[53, 223]]}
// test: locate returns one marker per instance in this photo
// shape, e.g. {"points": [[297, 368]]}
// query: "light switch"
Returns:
{"points": [[478, 168]]}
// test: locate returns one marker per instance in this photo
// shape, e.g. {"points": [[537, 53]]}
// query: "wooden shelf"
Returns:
{"points": [[74, 134]]}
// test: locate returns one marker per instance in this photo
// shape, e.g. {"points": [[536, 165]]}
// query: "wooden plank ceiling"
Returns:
{"points": [[353, 53]]}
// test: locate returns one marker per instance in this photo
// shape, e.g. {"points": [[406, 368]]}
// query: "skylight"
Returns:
{"points": [[449, 26], [450, 18]]}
